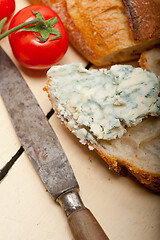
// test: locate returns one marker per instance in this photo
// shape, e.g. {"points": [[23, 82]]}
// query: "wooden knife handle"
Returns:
{"points": [[84, 226]]}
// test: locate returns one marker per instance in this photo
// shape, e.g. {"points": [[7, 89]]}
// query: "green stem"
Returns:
{"points": [[34, 21], [2, 22]]}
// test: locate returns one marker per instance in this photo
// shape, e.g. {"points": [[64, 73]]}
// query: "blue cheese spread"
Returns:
{"points": [[100, 104]]}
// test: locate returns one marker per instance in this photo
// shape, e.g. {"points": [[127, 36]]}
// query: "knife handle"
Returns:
{"points": [[83, 224]]}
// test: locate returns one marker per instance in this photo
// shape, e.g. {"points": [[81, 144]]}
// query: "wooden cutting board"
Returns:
{"points": [[125, 209]]}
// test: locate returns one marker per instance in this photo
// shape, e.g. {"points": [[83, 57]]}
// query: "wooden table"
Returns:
{"points": [[125, 209]]}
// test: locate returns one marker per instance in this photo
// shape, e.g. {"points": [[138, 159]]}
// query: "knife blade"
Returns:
{"points": [[45, 151]]}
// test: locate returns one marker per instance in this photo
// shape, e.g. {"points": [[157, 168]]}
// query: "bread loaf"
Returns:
{"points": [[109, 31], [108, 110], [150, 60]]}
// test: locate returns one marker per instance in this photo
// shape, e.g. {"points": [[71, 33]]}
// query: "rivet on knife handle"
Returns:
{"points": [[83, 224]]}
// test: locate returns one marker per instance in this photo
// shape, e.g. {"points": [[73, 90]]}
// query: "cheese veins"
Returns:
{"points": [[100, 104]]}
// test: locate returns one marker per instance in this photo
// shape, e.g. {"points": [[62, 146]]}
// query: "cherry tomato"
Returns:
{"points": [[28, 49], [7, 8]]}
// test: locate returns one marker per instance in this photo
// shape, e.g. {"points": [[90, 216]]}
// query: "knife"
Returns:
{"points": [[45, 152]]}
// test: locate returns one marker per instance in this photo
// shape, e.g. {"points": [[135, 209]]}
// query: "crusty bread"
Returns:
{"points": [[137, 151], [150, 60], [109, 31]]}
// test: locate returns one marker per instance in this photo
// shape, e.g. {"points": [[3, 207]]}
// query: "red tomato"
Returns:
{"points": [[7, 8], [28, 49]]}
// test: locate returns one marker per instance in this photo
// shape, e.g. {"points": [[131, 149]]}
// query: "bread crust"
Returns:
{"points": [[144, 18], [150, 60], [149, 180], [100, 30]]}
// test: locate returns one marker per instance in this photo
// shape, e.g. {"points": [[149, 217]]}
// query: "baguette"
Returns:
{"points": [[108, 110], [150, 60], [109, 31]]}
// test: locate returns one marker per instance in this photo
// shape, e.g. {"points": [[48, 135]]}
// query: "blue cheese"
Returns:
{"points": [[100, 104]]}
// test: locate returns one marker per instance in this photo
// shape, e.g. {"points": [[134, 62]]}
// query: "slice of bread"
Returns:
{"points": [[97, 106], [109, 31], [150, 60]]}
